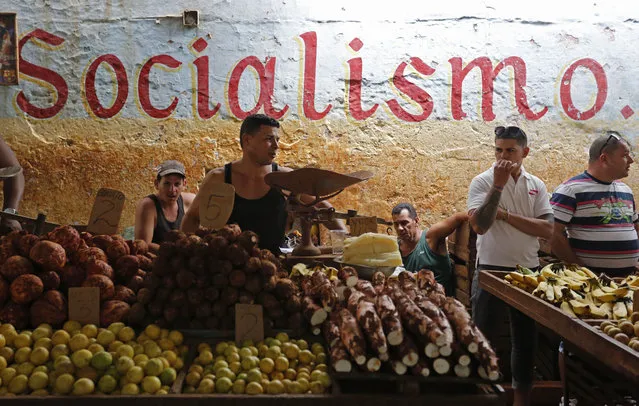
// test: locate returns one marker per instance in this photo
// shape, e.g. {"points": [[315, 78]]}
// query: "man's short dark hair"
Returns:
{"points": [[252, 123], [412, 213], [605, 144], [511, 133]]}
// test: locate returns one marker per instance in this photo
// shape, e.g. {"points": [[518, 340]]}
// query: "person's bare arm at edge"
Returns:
{"points": [[561, 247], [191, 220]]}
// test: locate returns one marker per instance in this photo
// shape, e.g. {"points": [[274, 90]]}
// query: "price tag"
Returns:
{"points": [[216, 205], [249, 322], [106, 212], [84, 305], [362, 225]]}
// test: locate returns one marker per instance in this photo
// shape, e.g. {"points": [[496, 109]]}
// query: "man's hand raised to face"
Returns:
{"points": [[502, 171]]}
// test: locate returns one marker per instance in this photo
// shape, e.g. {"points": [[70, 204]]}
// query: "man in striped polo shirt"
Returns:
{"points": [[595, 216]]}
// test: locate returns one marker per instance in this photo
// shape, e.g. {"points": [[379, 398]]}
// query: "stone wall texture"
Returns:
{"points": [[108, 89]]}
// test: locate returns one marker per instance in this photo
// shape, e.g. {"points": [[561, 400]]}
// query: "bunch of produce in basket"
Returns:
{"points": [[578, 291]]}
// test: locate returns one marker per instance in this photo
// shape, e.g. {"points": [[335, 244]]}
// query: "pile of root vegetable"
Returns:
{"points": [[197, 279], [403, 324]]}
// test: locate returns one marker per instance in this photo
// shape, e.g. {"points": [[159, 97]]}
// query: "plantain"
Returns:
{"points": [[607, 308], [540, 291], [531, 281], [580, 308], [598, 313], [550, 291], [517, 276], [558, 292], [565, 306], [619, 310]]}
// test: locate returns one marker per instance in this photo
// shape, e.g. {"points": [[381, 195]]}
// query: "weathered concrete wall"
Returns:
{"points": [[111, 88]]}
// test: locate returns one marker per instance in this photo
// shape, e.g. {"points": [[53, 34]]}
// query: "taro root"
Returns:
{"points": [[101, 241], [198, 265], [219, 309], [168, 282], [145, 263], [284, 289], [185, 279], [237, 278], [51, 308], [16, 266], [203, 311], [155, 308], [126, 267], [268, 268], [194, 296], [225, 267], [86, 237], [49, 255], [16, 314], [144, 296], [217, 245], [118, 237], [162, 294], [293, 304], [107, 290], [26, 288], [137, 314], [253, 264], [151, 281], [211, 293], [270, 283], [230, 232], [245, 297], [171, 313], [137, 247], [50, 280], [253, 283], [267, 300], [72, 276], [84, 256], [295, 323], [67, 236], [135, 283], [117, 249], [236, 254], [248, 240], [113, 311], [174, 235], [203, 282], [6, 250], [99, 267], [124, 294], [177, 298], [4, 291], [220, 280], [229, 295], [140, 273], [27, 242]]}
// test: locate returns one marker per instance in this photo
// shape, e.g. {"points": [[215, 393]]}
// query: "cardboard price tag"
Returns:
{"points": [[362, 225], [84, 305], [106, 212], [249, 323], [216, 205]]}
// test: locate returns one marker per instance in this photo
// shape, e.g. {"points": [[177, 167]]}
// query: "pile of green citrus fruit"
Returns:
{"points": [[273, 366]]}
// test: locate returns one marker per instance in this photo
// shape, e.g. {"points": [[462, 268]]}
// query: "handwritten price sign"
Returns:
{"points": [[216, 205], [249, 323], [106, 212], [84, 305]]}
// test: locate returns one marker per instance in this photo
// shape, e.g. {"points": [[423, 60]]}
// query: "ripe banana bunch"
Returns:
{"points": [[578, 291]]}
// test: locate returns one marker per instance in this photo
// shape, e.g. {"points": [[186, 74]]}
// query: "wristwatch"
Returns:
{"points": [[10, 210]]}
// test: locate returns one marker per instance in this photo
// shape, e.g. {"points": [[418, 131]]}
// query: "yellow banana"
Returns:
{"points": [[517, 276], [619, 310], [558, 292], [565, 306], [588, 272], [598, 313], [579, 308], [531, 281]]}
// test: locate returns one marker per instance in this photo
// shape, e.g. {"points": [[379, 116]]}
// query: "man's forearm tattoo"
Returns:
{"points": [[487, 212]]}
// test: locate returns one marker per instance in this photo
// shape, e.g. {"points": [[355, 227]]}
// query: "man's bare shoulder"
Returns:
{"points": [[284, 169], [146, 205], [188, 197]]}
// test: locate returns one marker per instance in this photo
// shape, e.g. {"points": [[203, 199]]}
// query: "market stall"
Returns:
{"points": [[601, 369]]}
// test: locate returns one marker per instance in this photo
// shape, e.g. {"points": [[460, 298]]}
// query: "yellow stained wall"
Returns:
{"points": [[430, 164]]}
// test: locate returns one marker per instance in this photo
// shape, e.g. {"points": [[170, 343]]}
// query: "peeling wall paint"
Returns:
{"points": [[111, 88]]}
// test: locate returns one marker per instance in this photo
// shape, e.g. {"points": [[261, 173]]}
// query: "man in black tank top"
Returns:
{"points": [[257, 207], [159, 213]]}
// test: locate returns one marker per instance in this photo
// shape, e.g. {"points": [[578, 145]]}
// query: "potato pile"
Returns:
{"points": [[625, 331], [274, 366], [36, 272], [197, 279], [84, 360]]}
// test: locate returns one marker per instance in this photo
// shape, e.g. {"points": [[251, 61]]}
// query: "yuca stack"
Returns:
{"points": [[372, 249]]}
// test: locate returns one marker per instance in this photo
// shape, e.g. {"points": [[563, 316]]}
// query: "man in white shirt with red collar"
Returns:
{"points": [[509, 209]]}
